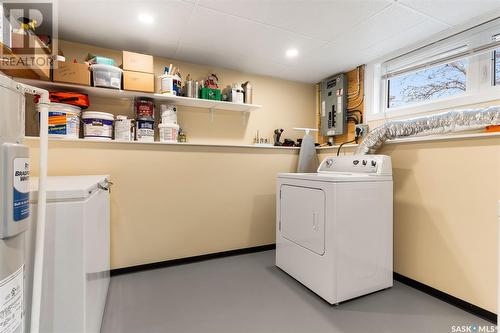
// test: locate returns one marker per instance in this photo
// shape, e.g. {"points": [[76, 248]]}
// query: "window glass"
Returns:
{"points": [[442, 81], [496, 68]]}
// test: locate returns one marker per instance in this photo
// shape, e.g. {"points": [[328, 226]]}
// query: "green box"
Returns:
{"points": [[209, 93]]}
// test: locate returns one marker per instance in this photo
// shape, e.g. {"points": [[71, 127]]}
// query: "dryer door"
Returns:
{"points": [[302, 219]]}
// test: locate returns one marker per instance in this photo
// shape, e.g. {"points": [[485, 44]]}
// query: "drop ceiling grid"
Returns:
{"points": [[252, 36], [452, 12], [241, 38], [320, 20], [315, 57], [368, 41], [194, 2]]}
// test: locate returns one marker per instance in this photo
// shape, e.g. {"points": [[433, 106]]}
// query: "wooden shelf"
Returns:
{"points": [[126, 94]]}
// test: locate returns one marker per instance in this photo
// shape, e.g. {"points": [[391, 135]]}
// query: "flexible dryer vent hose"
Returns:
{"points": [[441, 123]]}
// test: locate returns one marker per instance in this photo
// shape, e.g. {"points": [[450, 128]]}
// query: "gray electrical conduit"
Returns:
{"points": [[441, 123]]}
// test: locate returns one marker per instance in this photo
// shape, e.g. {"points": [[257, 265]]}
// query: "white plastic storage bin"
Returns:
{"points": [[76, 254], [106, 76]]}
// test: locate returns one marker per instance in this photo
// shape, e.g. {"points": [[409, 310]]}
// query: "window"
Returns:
{"points": [[430, 84], [496, 67], [452, 72]]}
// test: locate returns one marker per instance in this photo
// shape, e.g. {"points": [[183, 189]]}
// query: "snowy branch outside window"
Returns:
{"points": [[429, 84], [497, 67]]}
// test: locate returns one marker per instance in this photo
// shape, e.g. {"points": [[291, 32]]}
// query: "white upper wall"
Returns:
{"points": [[253, 35]]}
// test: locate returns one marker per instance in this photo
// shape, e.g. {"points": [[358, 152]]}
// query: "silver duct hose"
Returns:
{"points": [[441, 123]]}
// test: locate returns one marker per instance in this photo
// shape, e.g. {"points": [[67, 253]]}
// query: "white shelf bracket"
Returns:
{"points": [[245, 115], [212, 111]]}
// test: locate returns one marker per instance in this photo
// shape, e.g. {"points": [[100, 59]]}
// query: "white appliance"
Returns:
{"points": [[76, 254], [14, 204], [15, 212], [334, 227]]}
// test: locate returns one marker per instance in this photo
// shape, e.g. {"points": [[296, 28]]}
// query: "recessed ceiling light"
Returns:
{"points": [[292, 53], [146, 18]]}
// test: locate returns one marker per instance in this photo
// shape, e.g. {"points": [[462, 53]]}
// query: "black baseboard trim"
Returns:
{"points": [[459, 303], [188, 260]]}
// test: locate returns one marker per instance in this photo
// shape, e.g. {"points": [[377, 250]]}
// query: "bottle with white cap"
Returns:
{"points": [[123, 129]]}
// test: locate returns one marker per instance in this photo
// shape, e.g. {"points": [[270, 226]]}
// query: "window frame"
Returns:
{"points": [[417, 104], [480, 75]]}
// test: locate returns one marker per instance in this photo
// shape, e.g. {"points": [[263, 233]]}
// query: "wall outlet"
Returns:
{"points": [[361, 130]]}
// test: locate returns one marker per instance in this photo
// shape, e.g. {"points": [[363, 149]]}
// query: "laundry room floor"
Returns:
{"points": [[248, 294]]}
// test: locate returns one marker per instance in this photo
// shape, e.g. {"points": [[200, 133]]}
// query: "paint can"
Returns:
{"points": [[97, 125], [145, 130], [168, 132], [64, 121], [123, 129], [144, 108]]}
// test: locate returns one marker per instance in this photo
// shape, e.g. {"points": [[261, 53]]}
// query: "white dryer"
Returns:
{"points": [[334, 229]]}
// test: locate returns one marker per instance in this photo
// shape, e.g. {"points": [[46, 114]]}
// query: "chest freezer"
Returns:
{"points": [[76, 254]]}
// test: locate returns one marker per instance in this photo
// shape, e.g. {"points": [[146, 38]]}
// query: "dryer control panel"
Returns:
{"points": [[371, 164]]}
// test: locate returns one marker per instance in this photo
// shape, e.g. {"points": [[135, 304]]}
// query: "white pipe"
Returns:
{"points": [[36, 301], [40, 225]]}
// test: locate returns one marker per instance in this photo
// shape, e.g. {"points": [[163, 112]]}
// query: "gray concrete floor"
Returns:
{"points": [[248, 294]]}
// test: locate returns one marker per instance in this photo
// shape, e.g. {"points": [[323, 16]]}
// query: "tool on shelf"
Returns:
{"points": [[277, 137]]}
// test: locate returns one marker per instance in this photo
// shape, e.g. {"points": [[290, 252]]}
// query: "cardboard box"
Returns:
{"points": [[69, 72], [137, 62], [28, 57], [5, 28], [138, 81]]}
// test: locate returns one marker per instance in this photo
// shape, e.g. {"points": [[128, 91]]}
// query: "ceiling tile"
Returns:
{"points": [[386, 24], [420, 32], [332, 36], [453, 12], [110, 24], [322, 20], [241, 38], [218, 58], [332, 59]]}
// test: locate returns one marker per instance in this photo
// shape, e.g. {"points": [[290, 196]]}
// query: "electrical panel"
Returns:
{"points": [[334, 105]]}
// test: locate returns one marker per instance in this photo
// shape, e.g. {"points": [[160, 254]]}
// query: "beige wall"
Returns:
{"points": [[445, 191], [446, 224], [285, 104], [172, 202], [445, 215]]}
